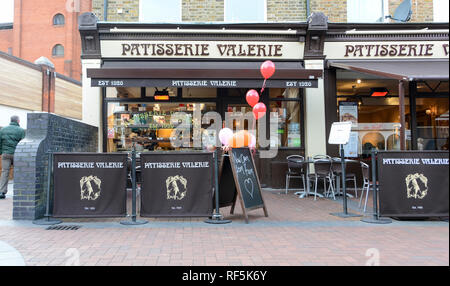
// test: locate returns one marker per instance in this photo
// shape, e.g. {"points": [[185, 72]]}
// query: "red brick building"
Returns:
{"points": [[46, 28]]}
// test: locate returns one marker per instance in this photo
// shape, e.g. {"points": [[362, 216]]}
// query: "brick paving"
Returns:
{"points": [[297, 232]]}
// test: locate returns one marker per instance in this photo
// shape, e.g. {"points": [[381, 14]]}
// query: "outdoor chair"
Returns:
{"points": [[322, 170], [318, 157], [366, 184], [295, 170], [337, 171]]}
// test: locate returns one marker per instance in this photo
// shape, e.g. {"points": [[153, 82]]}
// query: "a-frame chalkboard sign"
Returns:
{"points": [[238, 178]]}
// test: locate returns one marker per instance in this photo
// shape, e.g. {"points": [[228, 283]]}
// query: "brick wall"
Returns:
{"points": [[129, 13], [277, 10], [335, 10], [45, 132], [202, 10], [422, 10], [286, 10], [6, 39]]}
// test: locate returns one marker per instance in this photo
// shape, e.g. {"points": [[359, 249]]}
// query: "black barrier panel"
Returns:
{"points": [[177, 184], [89, 184], [246, 177], [413, 183]]}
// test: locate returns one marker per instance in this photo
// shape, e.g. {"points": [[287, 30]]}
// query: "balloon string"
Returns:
{"points": [[264, 86]]}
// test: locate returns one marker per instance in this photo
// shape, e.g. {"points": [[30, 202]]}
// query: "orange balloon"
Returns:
{"points": [[240, 139]]}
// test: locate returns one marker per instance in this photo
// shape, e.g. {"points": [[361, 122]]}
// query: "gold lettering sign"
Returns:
{"points": [[386, 50], [201, 49]]}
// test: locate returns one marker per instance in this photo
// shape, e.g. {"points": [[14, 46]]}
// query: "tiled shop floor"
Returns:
{"points": [[297, 232]]}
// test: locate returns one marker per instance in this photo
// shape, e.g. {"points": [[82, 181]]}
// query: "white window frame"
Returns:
{"points": [[225, 13], [385, 5], [141, 18]]}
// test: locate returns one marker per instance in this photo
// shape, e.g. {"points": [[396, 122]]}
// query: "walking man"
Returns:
{"points": [[9, 138]]}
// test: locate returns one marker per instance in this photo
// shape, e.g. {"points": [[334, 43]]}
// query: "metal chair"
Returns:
{"points": [[366, 184], [337, 170], [319, 157], [322, 170], [295, 170]]}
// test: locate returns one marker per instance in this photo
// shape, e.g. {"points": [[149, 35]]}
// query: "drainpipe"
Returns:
{"points": [[105, 10], [308, 8]]}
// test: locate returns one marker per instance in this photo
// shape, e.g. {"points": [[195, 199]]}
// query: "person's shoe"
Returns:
{"points": [[2, 196]]}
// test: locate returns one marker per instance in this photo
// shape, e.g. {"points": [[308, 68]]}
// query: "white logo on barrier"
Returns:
{"points": [[416, 186], [90, 188], [176, 187]]}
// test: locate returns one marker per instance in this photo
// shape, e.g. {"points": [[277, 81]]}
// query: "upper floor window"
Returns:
{"points": [[59, 20], [440, 10], [367, 11], [58, 51], [238, 11], [166, 11]]}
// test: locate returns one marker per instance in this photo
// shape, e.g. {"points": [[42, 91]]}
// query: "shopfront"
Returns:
{"points": [[391, 81], [140, 77]]}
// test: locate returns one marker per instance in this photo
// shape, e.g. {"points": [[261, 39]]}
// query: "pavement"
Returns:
{"points": [[298, 232]]}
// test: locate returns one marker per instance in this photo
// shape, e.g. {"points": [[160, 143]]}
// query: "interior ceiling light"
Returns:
{"points": [[161, 94]]}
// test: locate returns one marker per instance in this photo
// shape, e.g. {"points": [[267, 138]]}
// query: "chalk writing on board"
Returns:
{"points": [[242, 168]]}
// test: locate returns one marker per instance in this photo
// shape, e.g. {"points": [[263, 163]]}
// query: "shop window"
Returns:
{"points": [[366, 11], [288, 105], [238, 11], [151, 125], [167, 11], [59, 20], [440, 11], [58, 51], [432, 123]]}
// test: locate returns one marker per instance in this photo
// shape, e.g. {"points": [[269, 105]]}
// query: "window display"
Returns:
{"points": [[288, 107], [151, 126]]}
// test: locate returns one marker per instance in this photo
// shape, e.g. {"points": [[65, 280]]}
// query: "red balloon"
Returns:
{"points": [[252, 97], [267, 69], [259, 110]]}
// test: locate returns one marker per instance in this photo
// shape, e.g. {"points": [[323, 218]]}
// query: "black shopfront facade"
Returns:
{"points": [[390, 79], [146, 73]]}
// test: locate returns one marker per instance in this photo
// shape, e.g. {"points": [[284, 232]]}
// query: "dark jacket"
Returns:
{"points": [[10, 137]]}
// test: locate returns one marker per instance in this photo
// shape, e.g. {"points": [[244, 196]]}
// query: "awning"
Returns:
{"points": [[409, 70], [200, 74]]}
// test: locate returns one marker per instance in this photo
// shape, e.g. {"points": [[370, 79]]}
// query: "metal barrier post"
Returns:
{"points": [[376, 216], [133, 192], [217, 218], [345, 213]]}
